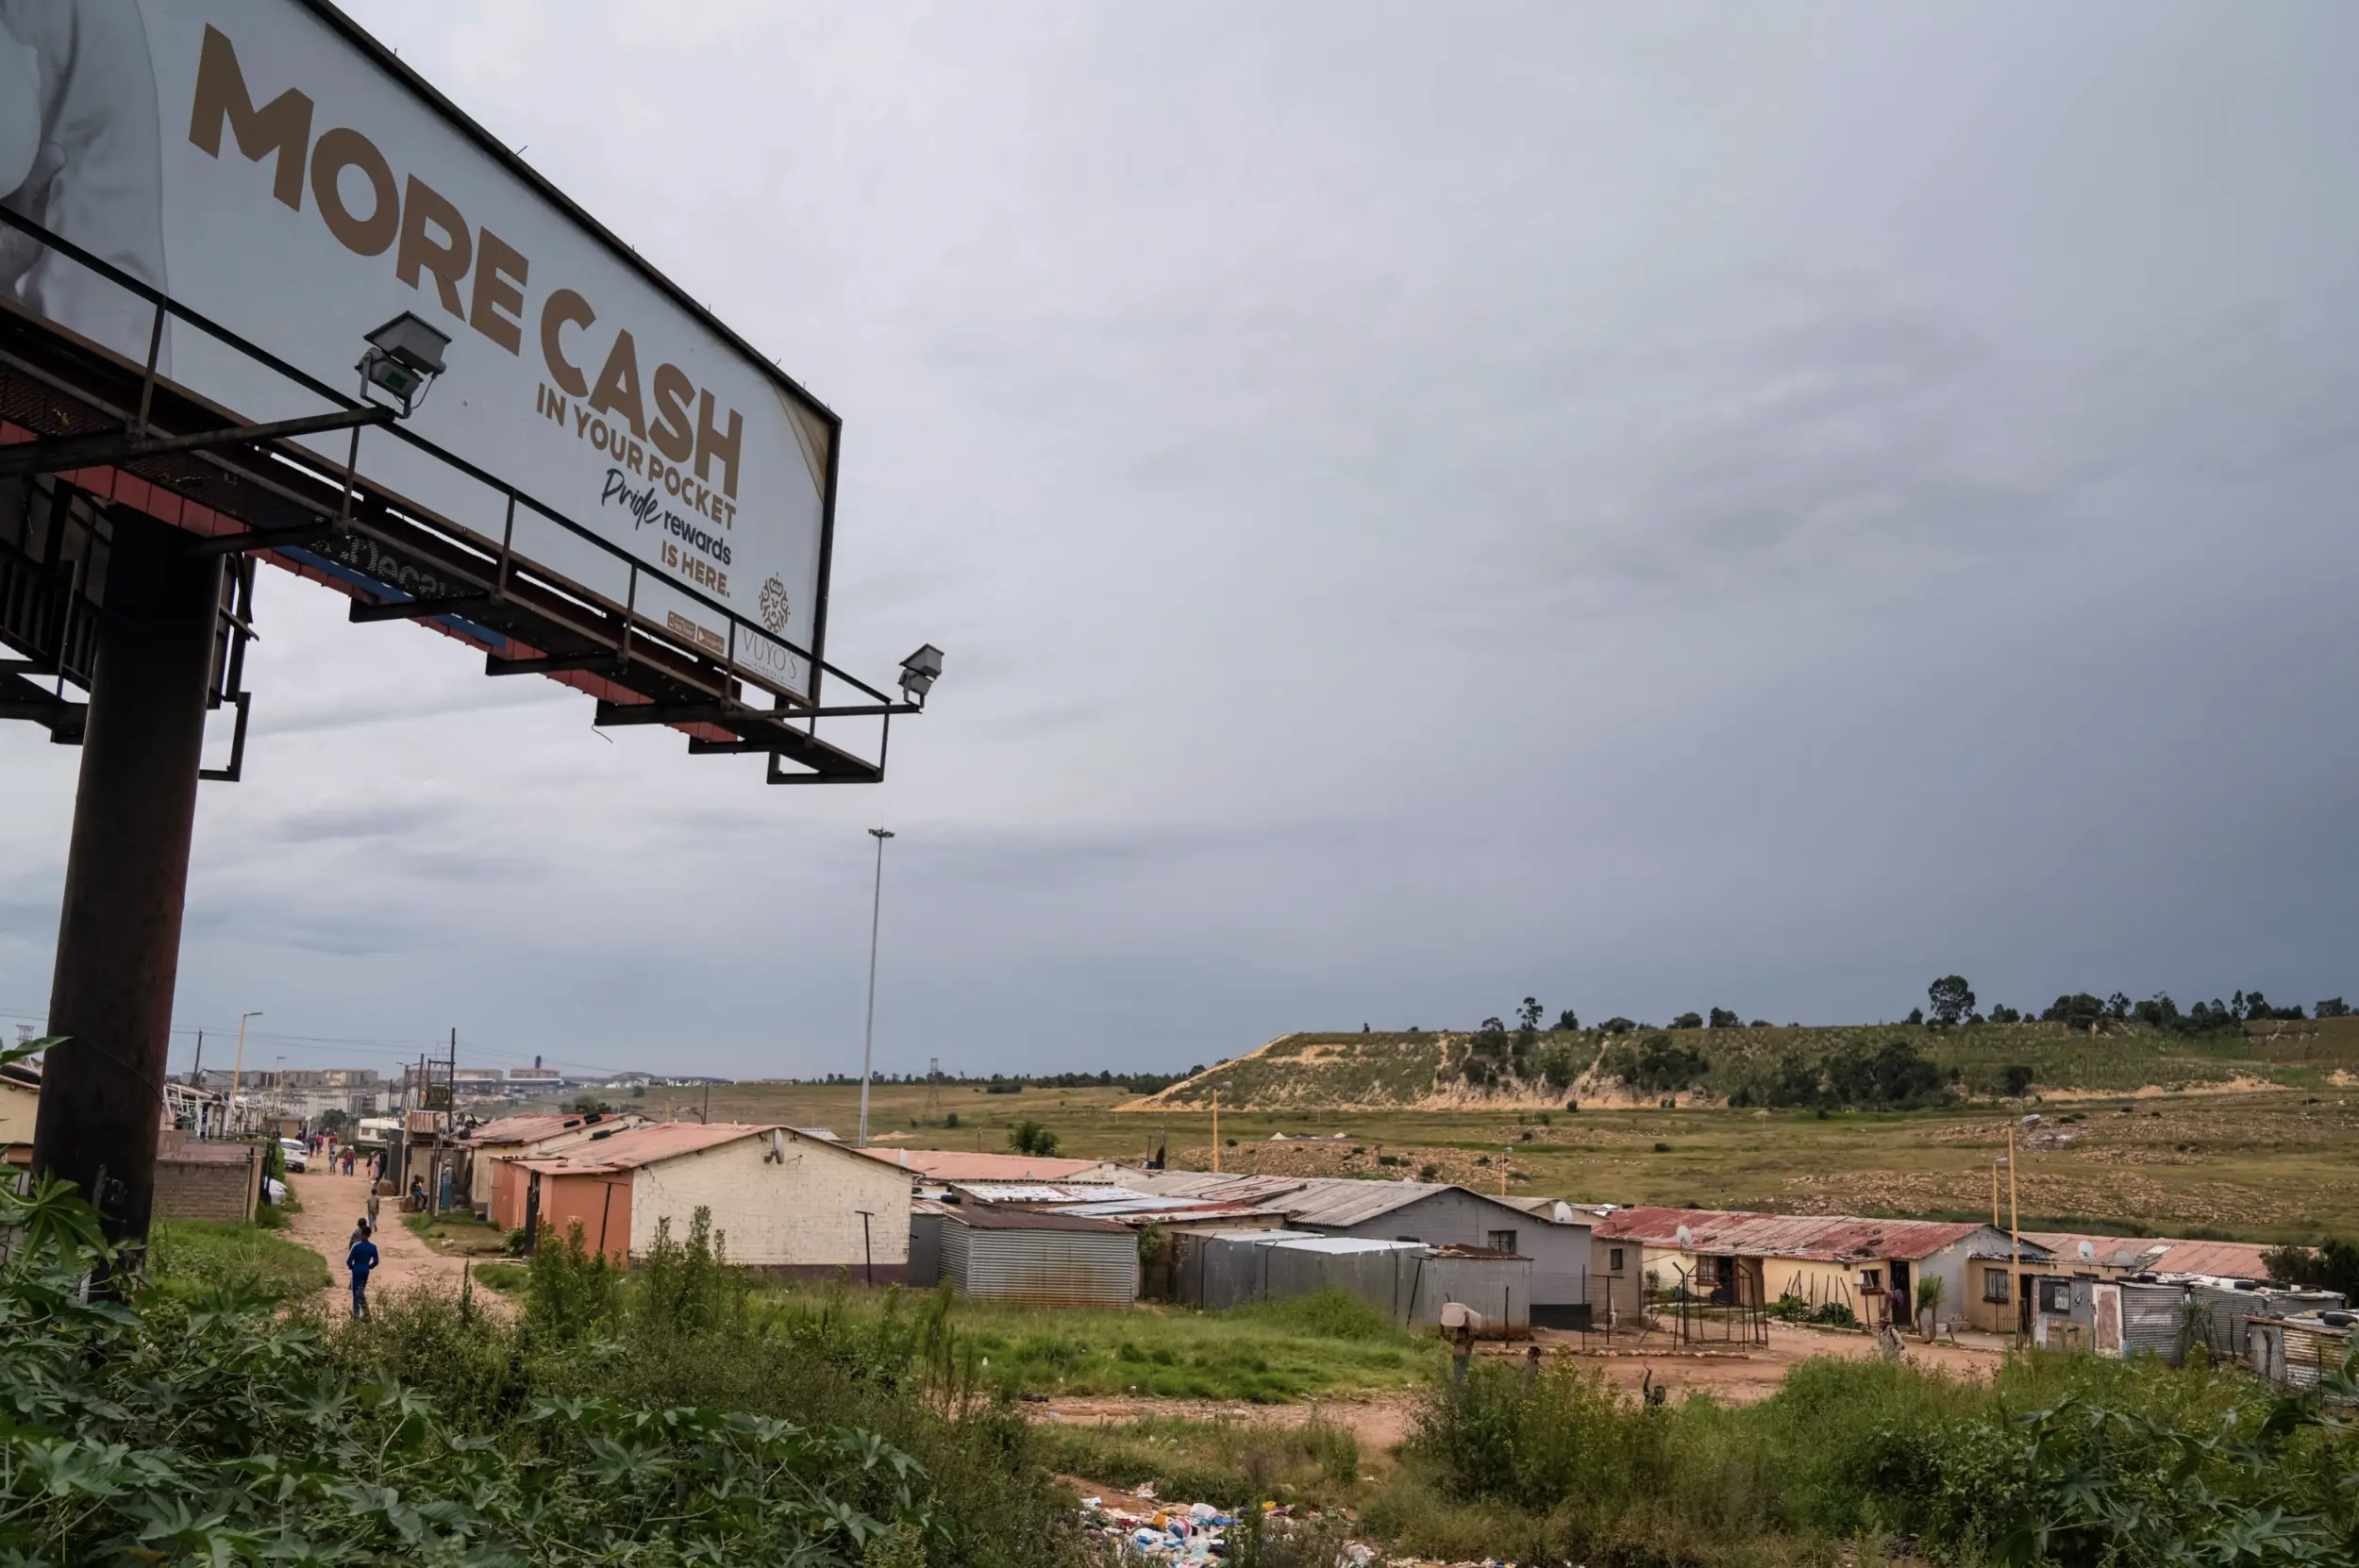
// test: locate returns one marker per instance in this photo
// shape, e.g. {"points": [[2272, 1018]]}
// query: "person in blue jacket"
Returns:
{"points": [[360, 1259]]}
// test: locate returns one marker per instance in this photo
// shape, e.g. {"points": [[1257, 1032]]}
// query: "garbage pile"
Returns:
{"points": [[1182, 1533]]}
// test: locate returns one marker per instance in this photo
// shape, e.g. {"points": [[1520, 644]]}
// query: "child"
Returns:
{"points": [[360, 1258]]}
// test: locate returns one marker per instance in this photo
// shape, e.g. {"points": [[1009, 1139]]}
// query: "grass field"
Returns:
{"points": [[1261, 1355], [2277, 1165], [189, 1255]]}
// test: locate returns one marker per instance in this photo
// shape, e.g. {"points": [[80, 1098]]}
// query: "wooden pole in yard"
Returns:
{"points": [[2014, 1235]]}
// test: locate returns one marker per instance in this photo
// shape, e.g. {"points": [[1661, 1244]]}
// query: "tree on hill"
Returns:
{"points": [[2332, 1008], [1657, 1064], [1724, 1019], [2079, 1011], [1528, 1015], [2003, 1014], [1951, 997], [1030, 1137], [1487, 1053], [1569, 1019], [1617, 1025], [1688, 1021]]}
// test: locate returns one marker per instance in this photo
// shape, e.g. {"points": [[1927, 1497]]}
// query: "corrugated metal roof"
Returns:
{"points": [[636, 1147], [1212, 1186], [533, 1128], [1558, 1211], [975, 1165], [2161, 1253], [1340, 1201], [1046, 1192], [1832, 1238], [980, 1217], [1343, 1245], [1330, 1201]]}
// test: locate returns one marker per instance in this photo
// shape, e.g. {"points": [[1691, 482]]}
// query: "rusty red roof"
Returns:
{"points": [[2161, 1253], [1830, 1239]]}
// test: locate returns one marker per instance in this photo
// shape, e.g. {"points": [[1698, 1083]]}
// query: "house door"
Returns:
{"points": [[1901, 1282]]}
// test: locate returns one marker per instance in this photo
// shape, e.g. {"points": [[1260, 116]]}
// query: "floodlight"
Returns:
{"points": [[920, 670], [405, 356]]}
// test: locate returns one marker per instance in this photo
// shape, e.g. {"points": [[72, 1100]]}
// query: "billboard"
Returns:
{"points": [[270, 168]]}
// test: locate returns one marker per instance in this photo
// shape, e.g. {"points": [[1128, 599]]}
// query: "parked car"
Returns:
{"points": [[298, 1157]]}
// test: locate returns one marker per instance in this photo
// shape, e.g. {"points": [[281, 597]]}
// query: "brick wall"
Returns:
{"points": [[221, 1182]]}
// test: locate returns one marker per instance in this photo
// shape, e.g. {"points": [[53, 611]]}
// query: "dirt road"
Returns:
{"points": [[332, 1203]]}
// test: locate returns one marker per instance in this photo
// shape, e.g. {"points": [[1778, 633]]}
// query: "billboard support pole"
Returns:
{"points": [[126, 877]]}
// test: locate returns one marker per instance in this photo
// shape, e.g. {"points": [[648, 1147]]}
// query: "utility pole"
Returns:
{"points": [[237, 1067], [126, 876], [197, 1074], [2014, 1235], [443, 1129], [868, 1038]]}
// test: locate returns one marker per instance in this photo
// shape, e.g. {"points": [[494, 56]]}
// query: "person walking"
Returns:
{"points": [[360, 1258], [372, 1209]]}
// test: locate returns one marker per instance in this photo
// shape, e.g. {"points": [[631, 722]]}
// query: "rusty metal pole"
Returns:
{"points": [[126, 876]]}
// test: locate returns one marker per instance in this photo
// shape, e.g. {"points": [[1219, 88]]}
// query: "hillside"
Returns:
{"points": [[1424, 1069]]}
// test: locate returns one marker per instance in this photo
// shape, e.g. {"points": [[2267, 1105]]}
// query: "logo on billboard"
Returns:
{"points": [[774, 605]]}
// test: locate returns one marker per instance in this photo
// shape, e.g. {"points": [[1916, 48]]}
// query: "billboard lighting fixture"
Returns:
{"points": [[919, 671], [405, 356]]}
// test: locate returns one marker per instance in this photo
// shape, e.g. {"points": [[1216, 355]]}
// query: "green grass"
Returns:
{"points": [[187, 1257], [1257, 1355], [459, 1234], [1230, 1464], [507, 1279]]}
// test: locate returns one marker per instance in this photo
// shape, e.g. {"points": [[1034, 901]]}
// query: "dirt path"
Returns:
{"points": [[330, 1205]]}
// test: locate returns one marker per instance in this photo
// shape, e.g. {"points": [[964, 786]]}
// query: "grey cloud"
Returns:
{"points": [[1656, 508]]}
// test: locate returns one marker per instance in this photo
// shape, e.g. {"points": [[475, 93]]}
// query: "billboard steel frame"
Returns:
{"points": [[401, 562]]}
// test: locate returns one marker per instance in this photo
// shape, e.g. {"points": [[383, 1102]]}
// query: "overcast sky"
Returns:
{"points": [[1651, 507]]}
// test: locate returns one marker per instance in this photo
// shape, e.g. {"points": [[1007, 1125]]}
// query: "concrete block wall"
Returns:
{"points": [[801, 1213]]}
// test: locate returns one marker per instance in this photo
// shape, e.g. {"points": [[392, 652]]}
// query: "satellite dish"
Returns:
{"points": [[1686, 1237], [2088, 1252]]}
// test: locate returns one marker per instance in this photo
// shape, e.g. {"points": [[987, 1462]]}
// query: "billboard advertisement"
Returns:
{"points": [[267, 167]]}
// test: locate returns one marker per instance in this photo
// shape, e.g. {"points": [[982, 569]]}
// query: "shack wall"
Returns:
{"points": [[1560, 1254], [1498, 1287], [1043, 1267]]}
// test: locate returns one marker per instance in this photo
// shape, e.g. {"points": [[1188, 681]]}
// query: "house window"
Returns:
{"points": [[1501, 1241], [1614, 1259], [1871, 1280], [1995, 1287]]}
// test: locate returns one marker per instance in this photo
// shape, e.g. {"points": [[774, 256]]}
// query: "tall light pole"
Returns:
{"points": [[236, 1067], [868, 1036]]}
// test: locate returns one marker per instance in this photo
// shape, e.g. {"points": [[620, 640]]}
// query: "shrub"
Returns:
{"points": [[173, 1428]]}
